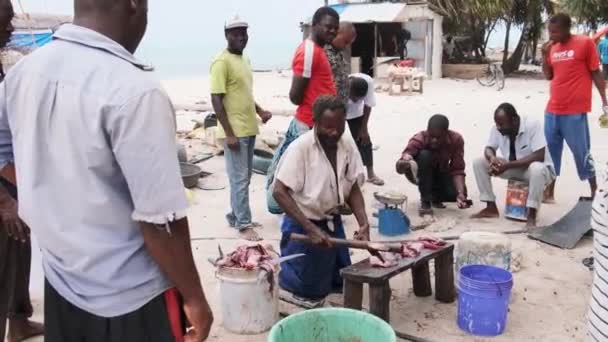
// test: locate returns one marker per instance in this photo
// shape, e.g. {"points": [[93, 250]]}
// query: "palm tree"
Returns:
{"points": [[588, 12], [529, 14], [474, 18]]}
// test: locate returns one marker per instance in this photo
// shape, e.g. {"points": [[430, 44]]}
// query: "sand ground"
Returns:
{"points": [[552, 287]]}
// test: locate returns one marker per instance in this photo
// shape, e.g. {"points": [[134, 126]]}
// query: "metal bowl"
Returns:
{"points": [[190, 174], [261, 161], [390, 197]]}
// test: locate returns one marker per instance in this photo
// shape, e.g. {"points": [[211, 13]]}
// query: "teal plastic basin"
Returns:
{"points": [[332, 325]]}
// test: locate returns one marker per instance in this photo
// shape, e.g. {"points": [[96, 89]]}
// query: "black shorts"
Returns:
{"points": [[605, 68], [161, 320]]}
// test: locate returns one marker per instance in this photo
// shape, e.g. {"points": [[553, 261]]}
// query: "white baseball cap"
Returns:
{"points": [[235, 22]]}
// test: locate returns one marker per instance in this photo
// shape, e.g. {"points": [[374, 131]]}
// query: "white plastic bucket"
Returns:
{"points": [[249, 305]]}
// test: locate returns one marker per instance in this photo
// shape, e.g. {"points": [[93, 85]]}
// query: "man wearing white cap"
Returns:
{"points": [[232, 98]]}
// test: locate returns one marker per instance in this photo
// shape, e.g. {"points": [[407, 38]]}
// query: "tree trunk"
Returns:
{"points": [[534, 49], [505, 53], [512, 64]]}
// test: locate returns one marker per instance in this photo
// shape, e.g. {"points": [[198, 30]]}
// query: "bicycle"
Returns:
{"points": [[492, 76]]}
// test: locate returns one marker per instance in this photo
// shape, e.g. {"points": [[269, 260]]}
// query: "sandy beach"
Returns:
{"points": [[552, 287]]}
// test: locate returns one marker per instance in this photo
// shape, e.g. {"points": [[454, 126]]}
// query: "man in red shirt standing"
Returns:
{"points": [[572, 64], [312, 77]]}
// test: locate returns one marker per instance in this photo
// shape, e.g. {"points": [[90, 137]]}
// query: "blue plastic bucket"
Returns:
{"points": [[393, 222], [483, 299]]}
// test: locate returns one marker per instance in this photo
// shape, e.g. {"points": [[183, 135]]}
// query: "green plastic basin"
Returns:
{"points": [[332, 325]]}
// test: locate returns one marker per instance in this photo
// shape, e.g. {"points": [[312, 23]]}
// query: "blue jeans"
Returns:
{"points": [[574, 129], [239, 166]]}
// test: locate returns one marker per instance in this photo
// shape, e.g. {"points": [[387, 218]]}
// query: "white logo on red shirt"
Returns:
{"points": [[563, 56]]}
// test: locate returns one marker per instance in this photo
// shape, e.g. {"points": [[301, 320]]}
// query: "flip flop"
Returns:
{"points": [[376, 181], [438, 205]]}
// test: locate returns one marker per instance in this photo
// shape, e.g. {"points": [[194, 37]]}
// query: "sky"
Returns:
{"points": [[184, 35]]}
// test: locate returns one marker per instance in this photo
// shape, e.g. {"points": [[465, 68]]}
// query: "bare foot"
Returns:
{"points": [[250, 235], [376, 181], [531, 224], [487, 213], [549, 200], [21, 330], [549, 194]]}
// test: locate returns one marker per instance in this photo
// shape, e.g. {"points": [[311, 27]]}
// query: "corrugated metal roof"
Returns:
{"points": [[361, 13]]}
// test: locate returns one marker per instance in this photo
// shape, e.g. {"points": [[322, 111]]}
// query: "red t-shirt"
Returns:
{"points": [[571, 87], [310, 61]]}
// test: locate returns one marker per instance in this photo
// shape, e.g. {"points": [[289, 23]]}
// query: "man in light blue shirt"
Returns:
{"points": [[602, 48], [92, 140]]}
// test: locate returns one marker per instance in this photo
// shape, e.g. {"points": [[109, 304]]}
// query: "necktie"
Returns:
{"points": [[512, 152]]}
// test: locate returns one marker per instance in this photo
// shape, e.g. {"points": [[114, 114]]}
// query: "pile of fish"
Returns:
{"points": [[252, 257], [249, 258], [409, 249]]}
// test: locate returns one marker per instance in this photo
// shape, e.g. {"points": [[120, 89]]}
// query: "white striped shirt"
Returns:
{"points": [[598, 311]]}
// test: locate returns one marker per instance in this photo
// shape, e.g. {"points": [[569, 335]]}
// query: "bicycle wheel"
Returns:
{"points": [[487, 78], [500, 78]]}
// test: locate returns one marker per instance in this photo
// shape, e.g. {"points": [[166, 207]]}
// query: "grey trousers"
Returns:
{"points": [[15, 258], [537, 175]]}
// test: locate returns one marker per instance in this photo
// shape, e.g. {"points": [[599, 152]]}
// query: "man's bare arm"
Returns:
{"points": [[8, 172], [173, 253], [217, 100], [291, 209], [489, 153], [459, 184], [547, 68], [298, 88], [600, 84], [357, 204]]}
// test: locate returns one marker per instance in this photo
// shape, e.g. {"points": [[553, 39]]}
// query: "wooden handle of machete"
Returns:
{"points": [[356, 244]]}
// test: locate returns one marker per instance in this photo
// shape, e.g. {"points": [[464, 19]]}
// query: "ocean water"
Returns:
{"points": [[192, 59]]}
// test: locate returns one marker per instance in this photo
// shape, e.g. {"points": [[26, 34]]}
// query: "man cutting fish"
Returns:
{"points": [[320, 173]]}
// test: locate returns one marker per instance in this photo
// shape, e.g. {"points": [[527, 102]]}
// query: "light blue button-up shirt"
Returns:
{"points": [[93, 141]]}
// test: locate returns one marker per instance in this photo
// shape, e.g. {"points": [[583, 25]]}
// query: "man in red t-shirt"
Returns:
{"points": [[572, 64], [312, 77]]}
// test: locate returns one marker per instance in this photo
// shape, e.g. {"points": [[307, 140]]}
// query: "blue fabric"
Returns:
{"points": [[603, 50], [315, 275], [239, 166], [30, 41], [574, 129], [294, 131]]}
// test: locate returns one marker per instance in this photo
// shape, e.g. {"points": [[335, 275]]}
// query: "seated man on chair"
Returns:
{"points": [[434, 161], [319, 173], [522, 141]]}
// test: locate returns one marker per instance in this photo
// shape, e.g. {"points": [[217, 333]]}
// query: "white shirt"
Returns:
{"points": [[93, 139], [307, 172], [531, 138], [355, 109]]}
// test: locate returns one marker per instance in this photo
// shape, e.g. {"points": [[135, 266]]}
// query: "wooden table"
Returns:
{"points": [[378, 279]]}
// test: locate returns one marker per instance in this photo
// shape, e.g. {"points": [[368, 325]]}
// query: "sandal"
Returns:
{"points": [[376, 181]]}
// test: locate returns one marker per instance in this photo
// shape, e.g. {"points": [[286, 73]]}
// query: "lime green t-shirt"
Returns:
{"points": [[231, 75]]}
